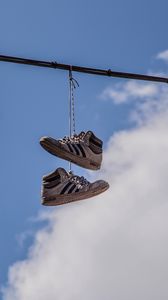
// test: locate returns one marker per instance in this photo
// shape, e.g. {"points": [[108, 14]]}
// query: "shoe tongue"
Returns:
{"points": [[88, 133], [81, 134], [87, 136], [62, 173]]}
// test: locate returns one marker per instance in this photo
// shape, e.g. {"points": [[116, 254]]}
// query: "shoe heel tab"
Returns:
{"points": [[52, 175]]}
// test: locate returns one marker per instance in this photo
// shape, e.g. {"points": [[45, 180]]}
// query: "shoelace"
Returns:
{"points": [[79, 181], [72, 139]]}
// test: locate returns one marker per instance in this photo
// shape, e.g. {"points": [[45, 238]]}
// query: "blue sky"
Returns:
{"points": [[121, 35]]}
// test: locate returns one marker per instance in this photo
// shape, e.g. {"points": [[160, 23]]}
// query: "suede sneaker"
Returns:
{"points": [[61, 187], [84, 149]]}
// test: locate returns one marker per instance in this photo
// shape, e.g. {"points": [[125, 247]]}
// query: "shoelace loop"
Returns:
{"points": [[72, 139], [79, 181]]}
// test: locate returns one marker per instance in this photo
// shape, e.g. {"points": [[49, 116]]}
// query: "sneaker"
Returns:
{"points": [[61, 187], [84, 149]]}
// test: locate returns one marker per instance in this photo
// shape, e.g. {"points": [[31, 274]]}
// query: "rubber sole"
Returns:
{"points": [[61, 153], [68, 198]]}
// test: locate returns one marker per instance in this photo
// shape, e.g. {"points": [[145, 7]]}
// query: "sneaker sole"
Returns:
{"points": [[61, 153], [64, 199]]}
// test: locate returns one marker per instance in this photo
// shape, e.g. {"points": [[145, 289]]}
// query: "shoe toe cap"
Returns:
{"points": [[45, 140], [100, 184]]}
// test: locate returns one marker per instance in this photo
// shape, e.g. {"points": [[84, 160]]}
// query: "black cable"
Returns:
{"points": [[92, 71]]}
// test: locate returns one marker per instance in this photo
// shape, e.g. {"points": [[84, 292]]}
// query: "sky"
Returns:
{"points": [[115, 245]]}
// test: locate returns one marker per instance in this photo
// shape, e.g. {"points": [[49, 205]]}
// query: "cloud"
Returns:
{"points": [[163, 55], [113, 246], [130, 91], [148, 99]]}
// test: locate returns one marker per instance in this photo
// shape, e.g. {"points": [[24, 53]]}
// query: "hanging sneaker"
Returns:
{"points": [[61, 187], [84, 149]]}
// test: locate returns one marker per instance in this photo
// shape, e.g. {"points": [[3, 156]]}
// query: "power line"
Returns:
{"points": [[93, 71]]}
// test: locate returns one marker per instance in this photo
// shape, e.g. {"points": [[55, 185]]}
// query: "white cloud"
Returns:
{"points": [[113, 246], [148, 98], [130, 91], [163, 55]]}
